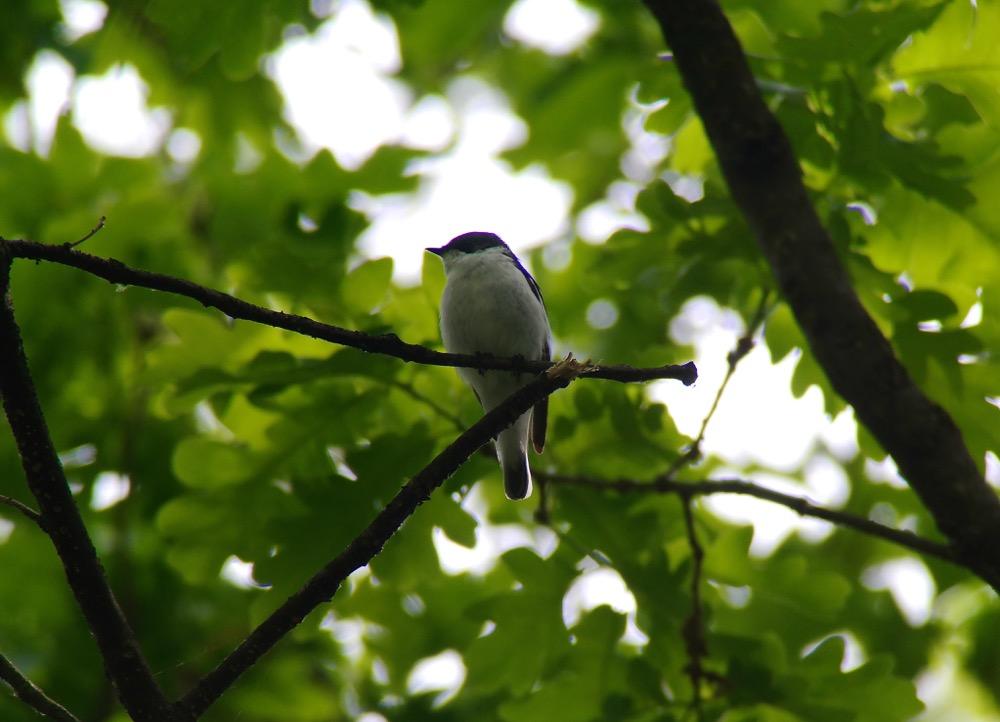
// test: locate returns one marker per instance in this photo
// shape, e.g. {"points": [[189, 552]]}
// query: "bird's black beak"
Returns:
{"points": [[436, 251]]}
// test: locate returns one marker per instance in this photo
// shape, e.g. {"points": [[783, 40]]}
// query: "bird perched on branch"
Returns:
{"points": [[491, 305]]}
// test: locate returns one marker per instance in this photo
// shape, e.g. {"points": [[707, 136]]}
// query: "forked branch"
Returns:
{"points": [[60, 517], [802, 506], [136, 686]]}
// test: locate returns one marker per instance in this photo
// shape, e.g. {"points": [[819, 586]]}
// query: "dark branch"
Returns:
{"points": [[324, 584], [117, 272], [123, 659], [694, 626], [739, 486], [765, 180], [31, 695]]}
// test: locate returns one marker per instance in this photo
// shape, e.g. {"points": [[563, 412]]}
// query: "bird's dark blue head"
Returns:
{"points": [[460, 247], [472, 242]]}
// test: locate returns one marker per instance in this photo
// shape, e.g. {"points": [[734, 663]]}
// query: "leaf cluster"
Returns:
{"points": [[246, 442]]}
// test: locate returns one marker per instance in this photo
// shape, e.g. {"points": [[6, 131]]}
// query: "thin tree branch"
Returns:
{"points": [[694, 626], [765, 180], [410, 390], [797, 504], [22, 508], [324, 584], [744, 345], [124, 662], [389, 344], [31, 695], [93, 231]]}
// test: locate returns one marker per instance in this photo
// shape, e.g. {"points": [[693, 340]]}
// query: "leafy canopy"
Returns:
{"points": [[244, 441]]}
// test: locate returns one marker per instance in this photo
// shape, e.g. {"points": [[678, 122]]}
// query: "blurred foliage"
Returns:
{"points": [[245, 441]]}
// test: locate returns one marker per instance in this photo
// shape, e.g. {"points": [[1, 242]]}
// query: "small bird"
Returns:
{"points": [[492, 305]]}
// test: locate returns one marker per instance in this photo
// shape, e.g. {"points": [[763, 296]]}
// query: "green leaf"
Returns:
{"points": [[966, 69], [200, 462], [871, 34], [727, 558], [782, 333], [529, 634], [693, 154], [577, 692], [244, 441], [925, 305], [365, 287], [459, 525], [588, 405]]}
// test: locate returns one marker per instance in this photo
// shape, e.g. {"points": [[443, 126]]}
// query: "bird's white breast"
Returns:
{"points": [[489, 307]]}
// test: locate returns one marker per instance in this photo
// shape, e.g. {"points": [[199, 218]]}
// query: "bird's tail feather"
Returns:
{"points": [[539, 422], [517, 479], [514, 463]]}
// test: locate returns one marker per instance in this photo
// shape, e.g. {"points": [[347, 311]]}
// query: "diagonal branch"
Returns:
{"points": [[766, 182], [324, 584], [115, 271], [32, 695], [123, 659], [803, 507]]}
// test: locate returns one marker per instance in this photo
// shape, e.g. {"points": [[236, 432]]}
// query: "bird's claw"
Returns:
{"points": [[569, 368]]}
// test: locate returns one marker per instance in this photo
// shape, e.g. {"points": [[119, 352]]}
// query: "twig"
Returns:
{"points": [[410, 390], [595, 555], [324, 584], [31, 695], [115, 271], [23, 508], [743, 346], [694, 628], [124, 662], [91, 234], [802, 506], [543, 517]]}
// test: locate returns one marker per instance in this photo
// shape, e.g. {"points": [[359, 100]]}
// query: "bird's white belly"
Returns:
{"points": [[489, 308]]}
